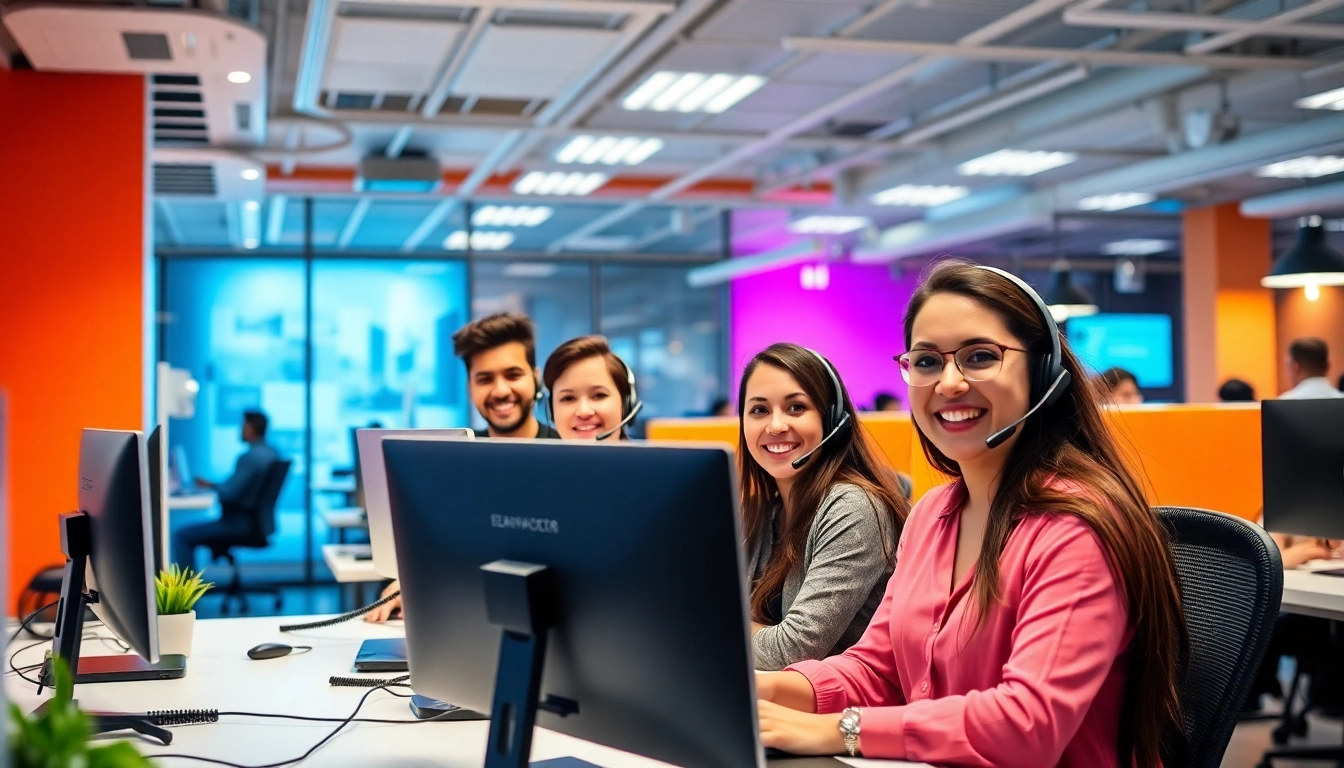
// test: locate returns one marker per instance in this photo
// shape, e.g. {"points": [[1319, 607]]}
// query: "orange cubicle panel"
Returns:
{"points": [[1204, 456], [1190, 455], [891, 432]]}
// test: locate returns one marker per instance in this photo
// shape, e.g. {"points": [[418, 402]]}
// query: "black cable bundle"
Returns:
{"points": [[342, 618], [171, 717], [367, 682]]}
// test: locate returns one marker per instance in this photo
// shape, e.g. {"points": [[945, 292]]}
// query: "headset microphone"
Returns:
{"points": [[998, 438], [801, 460], [639, 405]]}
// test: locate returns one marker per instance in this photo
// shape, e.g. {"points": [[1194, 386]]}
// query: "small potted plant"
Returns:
{"points": [[176, 591], [58, 735]]}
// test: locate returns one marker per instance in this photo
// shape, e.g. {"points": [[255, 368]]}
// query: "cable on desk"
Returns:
{"points": [[343, 722], [343, 617], [170, 717], [368, 682]]}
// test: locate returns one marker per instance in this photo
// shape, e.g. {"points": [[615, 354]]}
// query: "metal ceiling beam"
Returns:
{"points": [[1021, 53], [169, 220], [1159, 175], [1295, 202], [1269, 26], [1013, 21], [468, 187], [352, 223], [1195, 22], [275, 218]]}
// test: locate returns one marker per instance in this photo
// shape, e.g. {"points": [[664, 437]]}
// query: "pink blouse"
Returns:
{"points": [[1038, 684]]}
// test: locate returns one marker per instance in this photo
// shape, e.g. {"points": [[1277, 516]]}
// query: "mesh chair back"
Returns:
{"points": [[271, 485], [1231, 581]]}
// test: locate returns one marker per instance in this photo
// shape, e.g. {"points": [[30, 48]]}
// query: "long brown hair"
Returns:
{"points": [[849, 458], [1069, 442]]}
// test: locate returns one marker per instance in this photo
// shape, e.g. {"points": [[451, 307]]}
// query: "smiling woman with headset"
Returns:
{"points": [[590, 391], [1033, 618], [821, 514]]}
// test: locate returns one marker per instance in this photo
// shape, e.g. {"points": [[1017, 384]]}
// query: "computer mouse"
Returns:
{"points": [[269, 651]]}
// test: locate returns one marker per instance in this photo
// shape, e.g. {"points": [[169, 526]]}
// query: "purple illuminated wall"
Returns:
{"points": [[855, 321]]}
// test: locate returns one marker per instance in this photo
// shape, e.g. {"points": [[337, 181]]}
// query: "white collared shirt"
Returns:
{"points": [[1315, 388]]}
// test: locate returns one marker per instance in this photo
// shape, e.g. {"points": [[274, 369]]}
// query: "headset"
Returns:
{"points": [[630, 406], [836, 416], [1049, 377]]}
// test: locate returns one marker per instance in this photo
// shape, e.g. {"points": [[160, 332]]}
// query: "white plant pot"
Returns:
{"points": [[175, 633]]}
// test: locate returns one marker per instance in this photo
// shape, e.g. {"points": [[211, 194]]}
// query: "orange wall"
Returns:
{"points": [[1229, 318], [72, 265], [1323, 318]]}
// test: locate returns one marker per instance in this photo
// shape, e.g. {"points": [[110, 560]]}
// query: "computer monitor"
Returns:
{"points": [[631, 555], [160, 486], [109, 548], [1302, 453], [180, 469], [372, 477]]}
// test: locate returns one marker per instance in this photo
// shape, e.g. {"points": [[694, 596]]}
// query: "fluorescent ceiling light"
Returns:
{"points": [[607, 150], [1015, 162], [239, 77], [691, 92], [529, 270], [252, 205], [1328, 100], [251, 242], [1308, 167], [250, 174], [924, 196], [828, 225], [1137, 247], [510, 215], [1116, 202], [480, 241], [559, 183]]}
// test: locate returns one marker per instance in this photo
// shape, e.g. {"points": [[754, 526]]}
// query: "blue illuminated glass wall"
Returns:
{"points": [[379, 334]]}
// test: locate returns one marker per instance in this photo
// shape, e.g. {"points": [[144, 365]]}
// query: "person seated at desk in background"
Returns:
{"points": [[1308, 364], [1063, 590], [500, 352], [821, 535], [722, 407], [885, 401], [1236, 391], [592, 392], [1119, 387], [236, 494]]}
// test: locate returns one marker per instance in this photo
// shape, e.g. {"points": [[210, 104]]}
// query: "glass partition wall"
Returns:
{"points": [[328, 326]]}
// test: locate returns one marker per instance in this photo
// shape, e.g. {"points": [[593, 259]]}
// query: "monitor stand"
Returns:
{"points": [[75, 543], [520, 599]]}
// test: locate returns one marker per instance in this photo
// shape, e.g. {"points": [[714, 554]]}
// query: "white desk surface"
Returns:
{"points": [[344, 517], [196, 500], [220, 676], [1312, 594], [340, 559]]}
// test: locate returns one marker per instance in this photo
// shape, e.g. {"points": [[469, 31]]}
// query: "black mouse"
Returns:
{"points": [[269, 651]]}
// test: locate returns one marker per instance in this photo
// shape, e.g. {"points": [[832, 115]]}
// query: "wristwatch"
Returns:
{"points": [[849, 729]]}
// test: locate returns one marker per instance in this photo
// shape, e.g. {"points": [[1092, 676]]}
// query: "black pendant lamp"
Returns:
{"points": [[1065, 297], [1310, 263]]}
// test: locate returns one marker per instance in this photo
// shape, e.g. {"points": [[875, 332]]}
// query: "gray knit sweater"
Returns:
{"points": [[830, 598]]}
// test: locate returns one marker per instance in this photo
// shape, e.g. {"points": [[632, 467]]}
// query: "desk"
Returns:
{"points": [[220, 676], [342, 519], [340, 559], [1311, 594], [197, 500]]}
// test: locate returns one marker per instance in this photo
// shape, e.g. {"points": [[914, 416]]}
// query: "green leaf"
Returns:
{"points": [[176, 590]]}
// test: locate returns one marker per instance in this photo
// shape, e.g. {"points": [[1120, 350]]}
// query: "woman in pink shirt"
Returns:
{"points": [[1033, 618]]}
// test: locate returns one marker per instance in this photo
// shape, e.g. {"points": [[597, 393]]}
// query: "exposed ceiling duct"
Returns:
{"points": [[1157, 175], [1295, 202]]}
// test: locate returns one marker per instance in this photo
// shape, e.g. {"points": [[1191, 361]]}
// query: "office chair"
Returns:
{"points": [[1231, 582], [261, 517]]}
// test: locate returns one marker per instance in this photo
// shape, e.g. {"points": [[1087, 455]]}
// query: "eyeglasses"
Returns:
{"points": [[977, 362]]}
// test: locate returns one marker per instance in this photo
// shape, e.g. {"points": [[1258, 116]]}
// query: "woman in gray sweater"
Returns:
{"points": [[821, 512]]}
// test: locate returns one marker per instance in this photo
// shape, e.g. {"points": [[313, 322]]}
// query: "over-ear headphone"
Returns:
{"points": [[630, 405], [836, 412], [836, 417], [1051, 366]]}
